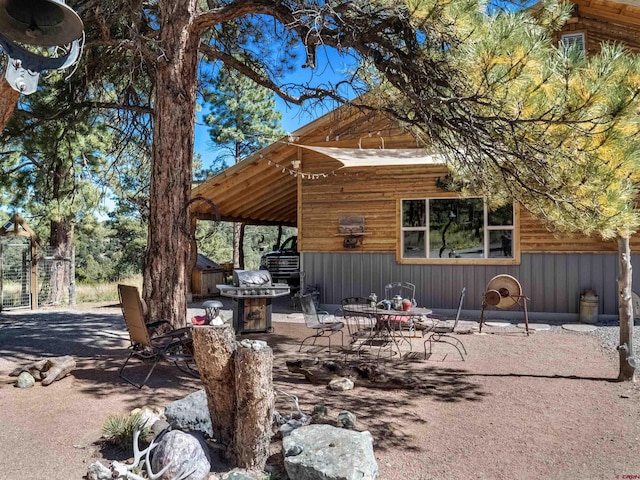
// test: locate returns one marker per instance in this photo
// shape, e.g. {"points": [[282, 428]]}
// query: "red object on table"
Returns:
{"points": [[199, 320]]}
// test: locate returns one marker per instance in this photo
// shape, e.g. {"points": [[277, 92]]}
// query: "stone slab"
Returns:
{"points": [[539, 327], [498, 324], [578, 327]]}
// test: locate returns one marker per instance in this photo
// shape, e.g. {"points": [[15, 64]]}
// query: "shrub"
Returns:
{"points": [[118, 430]]}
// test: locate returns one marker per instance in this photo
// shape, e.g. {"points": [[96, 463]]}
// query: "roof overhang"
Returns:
{"points": [[378, 157], [266, 188]]}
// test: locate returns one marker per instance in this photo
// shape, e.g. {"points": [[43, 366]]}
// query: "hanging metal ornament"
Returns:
{"points": [[43, 24]]}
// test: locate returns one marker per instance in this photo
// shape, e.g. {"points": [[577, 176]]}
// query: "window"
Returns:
{"points": [[573, 40], [456, 228]]}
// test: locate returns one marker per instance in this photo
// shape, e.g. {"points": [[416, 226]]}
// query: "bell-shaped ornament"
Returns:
{"points": [[44, 23]]}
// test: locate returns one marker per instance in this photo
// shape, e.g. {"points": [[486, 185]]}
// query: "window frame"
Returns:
{"points": [[515, 228]]}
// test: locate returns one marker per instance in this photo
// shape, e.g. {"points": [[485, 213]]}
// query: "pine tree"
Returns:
{"points": [[53, 164], [243, 119], [480, 83]]}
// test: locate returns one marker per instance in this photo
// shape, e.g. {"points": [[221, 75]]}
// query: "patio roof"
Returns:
{"points": [[263, 188]]}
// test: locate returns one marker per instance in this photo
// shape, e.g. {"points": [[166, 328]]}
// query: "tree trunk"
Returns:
{"points": [[8, 101], [172, 154], [237, 227], [61, 239], [625, 312], [279, 241], [255, 399], [214, 348], [241, 246], [72, 277]]}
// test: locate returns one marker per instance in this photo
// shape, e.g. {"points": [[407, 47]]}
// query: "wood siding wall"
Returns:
{"points": [[553, 282], [373, 193], [370, 192]]}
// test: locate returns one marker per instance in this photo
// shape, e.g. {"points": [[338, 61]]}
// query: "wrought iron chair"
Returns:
{"points": [[175, 346], [360, 321], [404, 289], [319, 321], [442, 330]]}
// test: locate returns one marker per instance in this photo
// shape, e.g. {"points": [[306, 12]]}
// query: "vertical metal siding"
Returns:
{"points": [[553, 282]]}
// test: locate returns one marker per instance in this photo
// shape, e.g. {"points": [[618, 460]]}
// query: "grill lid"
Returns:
{"points": [[251, 278]]}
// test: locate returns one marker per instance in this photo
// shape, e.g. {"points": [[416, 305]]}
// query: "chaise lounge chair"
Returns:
{"points": [[174, 346]]}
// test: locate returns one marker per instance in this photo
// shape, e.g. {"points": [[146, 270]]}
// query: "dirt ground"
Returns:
{"points": [[543, 406]]}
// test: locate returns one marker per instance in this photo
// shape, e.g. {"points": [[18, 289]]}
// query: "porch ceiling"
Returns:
{"points": [[253, 191]]}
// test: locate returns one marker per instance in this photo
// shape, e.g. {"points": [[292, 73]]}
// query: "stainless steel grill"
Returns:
{"points": [[252, 292], [253, 284]]}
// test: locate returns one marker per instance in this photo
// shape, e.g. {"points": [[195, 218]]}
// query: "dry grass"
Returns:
{"points": [[104, 292]]}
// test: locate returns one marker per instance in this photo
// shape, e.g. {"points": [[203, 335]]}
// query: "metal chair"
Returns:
{"points": [[403, 289], [441, 332], [319, 321], [175, 346], [360, 321]]}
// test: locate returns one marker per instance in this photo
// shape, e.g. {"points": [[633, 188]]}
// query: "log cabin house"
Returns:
{"points": [[372, 223]]}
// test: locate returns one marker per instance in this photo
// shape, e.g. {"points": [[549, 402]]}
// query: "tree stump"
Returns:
{"points": [[214, 347], [255, 402]]}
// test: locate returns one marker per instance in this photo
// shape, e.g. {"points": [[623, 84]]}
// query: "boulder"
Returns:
{"points": [[25, 380], [190, 413], [323, 452], [184, 452], [241, 475]]}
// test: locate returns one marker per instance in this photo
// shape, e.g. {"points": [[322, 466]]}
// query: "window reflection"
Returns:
{"points": [[456, 228], [414, 245], [414, 213], [442, 228]]}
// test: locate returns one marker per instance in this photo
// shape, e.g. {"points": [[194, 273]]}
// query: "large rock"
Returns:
{"points": [[25, 380], [323, 452], [184, 452], [190, 413]]}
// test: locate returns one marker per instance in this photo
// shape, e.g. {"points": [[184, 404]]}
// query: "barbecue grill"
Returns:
{"points": [[252, 292]]}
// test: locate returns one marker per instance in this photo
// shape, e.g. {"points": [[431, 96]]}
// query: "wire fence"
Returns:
{"points": [[55, 275]]}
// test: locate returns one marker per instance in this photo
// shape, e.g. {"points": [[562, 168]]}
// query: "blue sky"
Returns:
{"points": [[330, 69], [293, 117]]}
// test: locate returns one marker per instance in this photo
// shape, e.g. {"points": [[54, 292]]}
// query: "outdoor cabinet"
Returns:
{"points": [[252, 315]]}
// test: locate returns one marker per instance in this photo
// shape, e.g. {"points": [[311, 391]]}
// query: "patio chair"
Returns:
{"points": [[442, 330], [174, 346], [359, 319], [403, 289], [319, 321]]}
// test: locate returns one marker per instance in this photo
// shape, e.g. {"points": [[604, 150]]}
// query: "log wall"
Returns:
{"points": [[373, 193], [603, 21]]}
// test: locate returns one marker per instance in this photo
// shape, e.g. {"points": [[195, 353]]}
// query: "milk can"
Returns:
{"points": [[589, 307]]}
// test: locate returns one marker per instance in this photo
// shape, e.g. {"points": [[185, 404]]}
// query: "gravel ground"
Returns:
{"points": [[544, 406], [610, 336]]}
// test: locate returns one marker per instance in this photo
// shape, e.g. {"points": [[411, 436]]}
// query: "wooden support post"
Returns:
{"points": [[214, 348], [34, 275], [255, 403]]}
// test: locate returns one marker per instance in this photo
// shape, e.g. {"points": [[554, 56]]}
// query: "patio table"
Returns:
{"points": [[382, 327]]}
